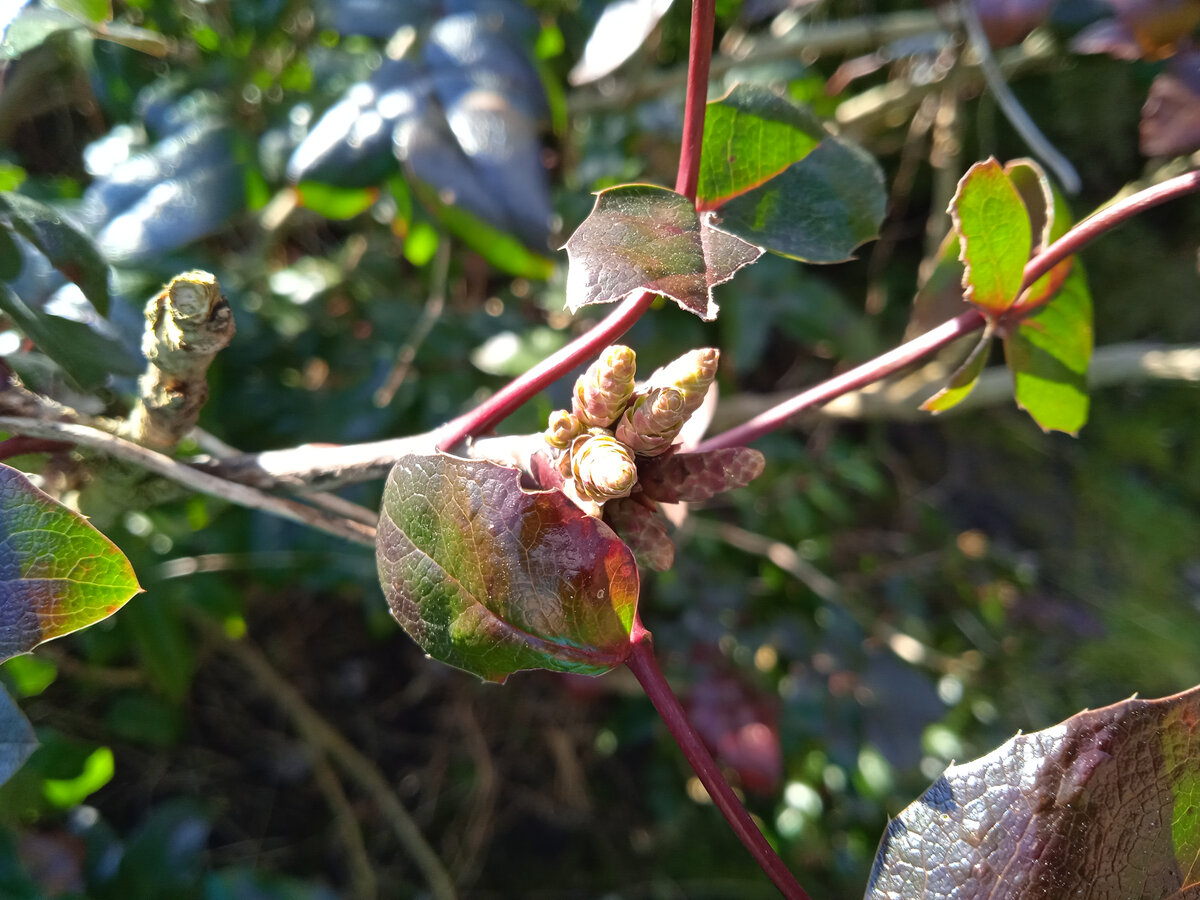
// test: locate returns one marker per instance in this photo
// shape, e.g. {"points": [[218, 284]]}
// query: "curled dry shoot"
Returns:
{"points": [[503, 553]]}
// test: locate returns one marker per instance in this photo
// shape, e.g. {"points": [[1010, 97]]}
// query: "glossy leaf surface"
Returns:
{"points": [[642, 237], [17, 740], [642, 528], [692, 477], [57, 573], [1048, 355], [622, 28], [1103, 805], [493, 579], [64, 245], [779, 181], [995, 235]]}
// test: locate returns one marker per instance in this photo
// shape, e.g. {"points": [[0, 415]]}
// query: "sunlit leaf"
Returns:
{"points": [[692, 477], [801, 192], [642, 528], [994, 233], [17, 740], [68, 249], [642, 237], [59, 574], [1048, 355], [622, 28], [1049, 219], [494, 579], [962, 382], [1105, 804], [335, 202]]}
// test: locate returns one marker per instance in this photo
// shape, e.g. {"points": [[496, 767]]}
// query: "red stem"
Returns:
{"points": [[645, 668], [20, 444], [504, 402], [906, 354]]}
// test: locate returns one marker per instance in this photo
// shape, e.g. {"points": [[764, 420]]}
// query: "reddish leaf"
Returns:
{"points": [[692, 477], [1007, 22], [1171, 115], [494, 579], [1103, 805], [642, 237], [637, 522], [57, 573]]}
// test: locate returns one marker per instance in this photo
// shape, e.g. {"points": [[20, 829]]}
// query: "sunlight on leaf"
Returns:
{"points": [[995, 233], [57, 573], [1105, 804], [642, 237], [493, 579], [962, 382]]}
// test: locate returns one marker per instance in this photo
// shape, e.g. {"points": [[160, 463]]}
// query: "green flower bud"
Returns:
{"points": [[602, 467], [652, 420], [563, 429], [691, 374], [603, 390]]}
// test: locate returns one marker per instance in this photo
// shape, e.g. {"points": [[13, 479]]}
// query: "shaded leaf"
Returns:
{"points": [[810, 196], [995, 235], [693, 477], [1103, 805], [57, 573], [639, 525], [17, 740], [621, 29], [1048, 355], [741, 727], [962, 382], [494, 579], [68, 249], [1108, 36], [1170, 123], [642, 237], [1008, 22]]}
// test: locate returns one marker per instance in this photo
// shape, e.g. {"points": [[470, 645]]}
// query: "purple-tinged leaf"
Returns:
{"points": [[1171, 115], [1103, 805], [693, 477], [493, 579], [962, 382], [740, 724], [642, 237], [57, 573], [1108, 36], [1048, 355], [1008, 22], [637, 522], [995, 236], [17, 739]]}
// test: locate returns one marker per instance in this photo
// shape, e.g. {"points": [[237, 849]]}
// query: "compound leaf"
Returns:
{"points": [[1103, 805], [493, 579], [995, 235], [57, 573], [642, 237]]}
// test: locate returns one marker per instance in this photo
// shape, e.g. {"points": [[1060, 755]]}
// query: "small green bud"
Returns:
{"points": [[563, 429], [690, 374], [652, 420], [603, 390], [602, 467]]}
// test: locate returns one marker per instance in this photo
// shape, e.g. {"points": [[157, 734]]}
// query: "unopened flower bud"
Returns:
{"points": [[602, 467], [652, 420], [691, 374], [563, 429], [603, 390]]}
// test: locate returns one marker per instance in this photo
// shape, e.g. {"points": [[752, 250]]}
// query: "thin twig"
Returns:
{"points": [[319, 732], [420, 331], [1020, 120], [164, 466], [363, 884]]}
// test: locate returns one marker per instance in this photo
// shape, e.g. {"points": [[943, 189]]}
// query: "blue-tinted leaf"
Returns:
{"points": [[64, 245], [17, 740]]}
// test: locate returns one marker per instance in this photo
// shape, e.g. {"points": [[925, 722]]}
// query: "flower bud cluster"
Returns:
{"points": [[611, 421]]}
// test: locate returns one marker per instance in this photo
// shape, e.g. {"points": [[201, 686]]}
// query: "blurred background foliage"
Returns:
{"points": [[379, 187]]}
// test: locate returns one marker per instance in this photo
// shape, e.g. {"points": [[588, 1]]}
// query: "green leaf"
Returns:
{"points": [[68, 249], [84, 353], [11, 177], [750, 136], [995, 235], [962, 382], [493, 579], [501, 249], [1050, 218], [781, 182], [17, 740], [1105, 804], [1048, 355], [32, 27], [510, 353], [642, 237], [98, 770], [94, 11], [59, 574], [337, 203]]}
